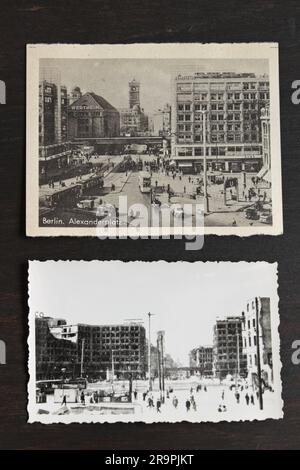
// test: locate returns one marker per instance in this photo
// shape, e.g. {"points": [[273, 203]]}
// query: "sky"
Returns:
{"points": [[184, 298], [109, 77]]}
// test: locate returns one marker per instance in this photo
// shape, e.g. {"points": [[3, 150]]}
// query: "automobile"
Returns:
{"points": [[251, 213], [156, 204], [104, 210], [178, 211], [266, 217], [86, 204]]}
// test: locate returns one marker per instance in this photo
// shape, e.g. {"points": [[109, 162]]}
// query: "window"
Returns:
{"points": [[236, 96], [187, 117]]}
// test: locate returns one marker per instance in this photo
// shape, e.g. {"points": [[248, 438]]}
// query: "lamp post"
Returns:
{"points": [[149, 351], [260, 392], [206, 203]]}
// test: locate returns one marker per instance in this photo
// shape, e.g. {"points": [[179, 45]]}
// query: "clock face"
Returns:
{"points": [[133, 88]]}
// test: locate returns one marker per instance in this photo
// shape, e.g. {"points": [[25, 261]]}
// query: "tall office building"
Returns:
{"points": [[202, 359], [257, 324], [228, 356], [102, 348], [228, 105], [54, 148]]}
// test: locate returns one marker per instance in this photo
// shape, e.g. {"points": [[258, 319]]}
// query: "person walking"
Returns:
{"points": [[237, 396], [135, 394], [82, 398], [175, 401], [223, 394], [158, 405], [247, 398], [64, 401], [188, 405], [252, 399]]}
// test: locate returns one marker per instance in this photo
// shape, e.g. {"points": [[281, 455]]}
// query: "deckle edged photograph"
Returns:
{"points": [[153, 139], [123, 342]]}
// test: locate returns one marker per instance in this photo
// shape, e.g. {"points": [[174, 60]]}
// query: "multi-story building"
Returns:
{"points": [[202, 359], [53, 356], [103, 348], [265, 171], [133, 120], [91, 116], [257, 324], [161, 121], [228, 105], [54, 148], [228, 356]]}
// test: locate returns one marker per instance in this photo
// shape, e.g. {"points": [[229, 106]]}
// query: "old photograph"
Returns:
{"points": [[153, 139], [125, 342]]}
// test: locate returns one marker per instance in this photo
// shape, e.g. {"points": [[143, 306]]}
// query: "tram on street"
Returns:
{"points": [[145, 182]]}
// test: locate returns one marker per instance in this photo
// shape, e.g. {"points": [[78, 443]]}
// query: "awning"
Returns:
{"points": [[267, 177], [261, 172]]}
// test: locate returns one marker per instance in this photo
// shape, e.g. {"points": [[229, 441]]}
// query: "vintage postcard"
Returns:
{"points": [[116, 342], [153, 139]]}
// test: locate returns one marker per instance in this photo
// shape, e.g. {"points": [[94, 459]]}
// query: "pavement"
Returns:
{"points": [[220, 214], [206, 409]]}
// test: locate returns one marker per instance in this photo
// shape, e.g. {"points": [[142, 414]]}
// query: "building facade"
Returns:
{"points": [[53, 356], [257, 324], [228, 105], [161, 121], [228, 355], [103, 348], [265, 171], [54, 148], [202, 359], [133, 120], [91, 116]]}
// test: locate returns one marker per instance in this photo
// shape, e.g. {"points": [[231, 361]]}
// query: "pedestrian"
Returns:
{"points": [[158, 405], [223, 394], [64, 401], [135, 394], [247, 398], [168, 395], [194, 405], [144, 396], [188, 405], [175, 401], [189, 179], [252, 399], [184, 189], [82, 398], [205, 389], [191, 390], [237, 396]]}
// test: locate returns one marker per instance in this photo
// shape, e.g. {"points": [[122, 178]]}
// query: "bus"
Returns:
{"points": [[145, 182]]}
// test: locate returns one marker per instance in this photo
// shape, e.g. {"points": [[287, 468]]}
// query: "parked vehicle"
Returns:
{"points": [[266, 217], [251, 213]]}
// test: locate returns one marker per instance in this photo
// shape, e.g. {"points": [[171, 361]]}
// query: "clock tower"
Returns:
{"points": [[134, 93]]}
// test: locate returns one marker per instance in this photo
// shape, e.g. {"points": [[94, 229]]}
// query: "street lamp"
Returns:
{"points": [[206, 202]]}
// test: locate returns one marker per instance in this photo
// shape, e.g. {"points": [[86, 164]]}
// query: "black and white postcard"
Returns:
{"points": [[153, 139]]}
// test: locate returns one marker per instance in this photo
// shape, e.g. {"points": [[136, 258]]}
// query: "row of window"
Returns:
{"points": [[217, 127], [229, 96]]}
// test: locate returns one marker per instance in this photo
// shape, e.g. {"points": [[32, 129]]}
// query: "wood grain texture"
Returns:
{"points": [[126, 21]]}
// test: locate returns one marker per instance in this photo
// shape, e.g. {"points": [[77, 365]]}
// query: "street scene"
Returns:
{"points": [[112, 150], [124, 363]]}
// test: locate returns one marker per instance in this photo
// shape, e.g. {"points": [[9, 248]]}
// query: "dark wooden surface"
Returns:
{"points": [[120, 21]]}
